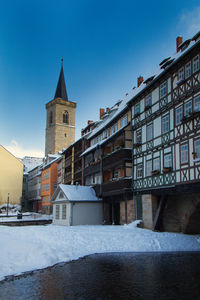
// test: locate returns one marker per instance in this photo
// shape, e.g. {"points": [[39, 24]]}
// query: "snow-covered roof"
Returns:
{"points": [[75, 193]]}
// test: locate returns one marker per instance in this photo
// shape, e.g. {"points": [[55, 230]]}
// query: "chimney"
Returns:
{"points": [[179, 41], [89, 122], [107, 109], [101, 112], [139, 81]]}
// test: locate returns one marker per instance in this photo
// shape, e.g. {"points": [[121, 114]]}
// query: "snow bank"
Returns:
{"points": [[35, 247]]}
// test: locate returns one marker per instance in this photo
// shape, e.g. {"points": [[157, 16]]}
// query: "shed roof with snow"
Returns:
{"points": [[74, 193]]}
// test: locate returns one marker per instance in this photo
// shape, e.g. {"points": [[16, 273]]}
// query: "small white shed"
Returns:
{"points": [[76, 205]]}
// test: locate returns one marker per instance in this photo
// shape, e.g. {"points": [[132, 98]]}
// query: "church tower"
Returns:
{"points": [[60, 119]]}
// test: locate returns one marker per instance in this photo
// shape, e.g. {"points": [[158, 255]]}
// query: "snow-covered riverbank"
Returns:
{"points": [[35, 247]]}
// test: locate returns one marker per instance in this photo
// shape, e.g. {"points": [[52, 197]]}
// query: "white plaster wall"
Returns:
{"points": [[155, 95], [87, 213], [157, 127]]}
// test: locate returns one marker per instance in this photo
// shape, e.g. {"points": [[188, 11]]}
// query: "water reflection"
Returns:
{"points": [[112, 276]]}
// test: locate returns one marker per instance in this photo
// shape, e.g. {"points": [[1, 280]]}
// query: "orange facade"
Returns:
{"points": [[48, 185]]}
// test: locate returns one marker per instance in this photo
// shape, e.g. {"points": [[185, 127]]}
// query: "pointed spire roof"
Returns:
{"points": [[61, 91]]}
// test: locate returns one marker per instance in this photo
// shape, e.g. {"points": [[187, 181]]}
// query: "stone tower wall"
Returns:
{"points": [[59, 135]]}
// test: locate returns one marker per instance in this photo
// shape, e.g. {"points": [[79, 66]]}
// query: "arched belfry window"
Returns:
{"points": [[51, 117], [66, 117]]}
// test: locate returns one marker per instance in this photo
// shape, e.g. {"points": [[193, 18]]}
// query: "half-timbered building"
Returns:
{"points": [[166, 142]]}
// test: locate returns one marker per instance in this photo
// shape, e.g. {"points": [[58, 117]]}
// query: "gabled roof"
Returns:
{"points": [[75, 193], [61, 91]]}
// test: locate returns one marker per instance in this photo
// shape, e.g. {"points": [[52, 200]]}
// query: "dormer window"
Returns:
{"points": [[66, 117]]}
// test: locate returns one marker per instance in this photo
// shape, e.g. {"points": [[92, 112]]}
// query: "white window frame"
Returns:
{"points": [[188, 70], [184, 150], [197, 148], [168, 160], [195, 63], [139, 170], [138, 136], [124, 121], [149, 133], [181, 74], [163, 89], [156, 164], [57, 212], [64, 211], [187, 108], [137, 108], [165, 124], [179, 114], [197, 103]]}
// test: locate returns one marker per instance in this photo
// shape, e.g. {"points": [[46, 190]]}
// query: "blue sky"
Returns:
{"points": [[106, 45]]}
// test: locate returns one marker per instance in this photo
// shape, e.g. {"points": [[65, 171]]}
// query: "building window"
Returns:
{"points": [[47, 175], [116, 127], [64, 211], [197, 103], [43, 187], [165, 124], [149, 132], [57, 212], [196, 64], [197, 148], [48, 199], [179, 115], [55, 186], [184, 153], [43, 200], [50, 117], [139, 171], [148, 167], [66, 117], [163, 89], [156, 164], [181, 74], [43, 176], [187, 108], [112, 130], [139, 136], [188, 70], [148, 101], [137, 109], [124, 121], [47, 186], [168, 160]]}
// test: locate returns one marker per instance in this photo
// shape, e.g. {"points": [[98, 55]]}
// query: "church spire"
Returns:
{"points": [[61, 88]]}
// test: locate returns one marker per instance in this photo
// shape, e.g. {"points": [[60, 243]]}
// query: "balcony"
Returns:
{"points": [[93, 167], [68, 178], [116, 186], [117, 158], [68, 162]]}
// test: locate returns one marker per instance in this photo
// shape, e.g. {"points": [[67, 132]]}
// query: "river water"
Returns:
{"points": [[111, 277]]}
